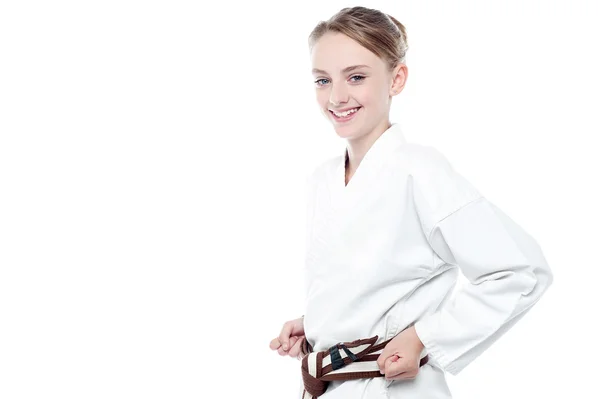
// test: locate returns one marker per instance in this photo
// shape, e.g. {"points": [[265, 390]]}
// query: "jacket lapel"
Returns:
{"points": [[336, 209]]}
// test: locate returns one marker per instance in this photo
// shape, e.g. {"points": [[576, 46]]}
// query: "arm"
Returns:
{"points": [[505, 267]]}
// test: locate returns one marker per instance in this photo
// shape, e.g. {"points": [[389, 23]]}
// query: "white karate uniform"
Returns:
{"points": [[384, 253]]}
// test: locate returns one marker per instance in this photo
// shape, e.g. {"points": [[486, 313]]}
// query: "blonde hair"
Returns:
{"points": [[378, 32]]}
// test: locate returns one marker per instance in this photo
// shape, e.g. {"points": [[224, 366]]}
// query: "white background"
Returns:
{"points": [[152, 164]]}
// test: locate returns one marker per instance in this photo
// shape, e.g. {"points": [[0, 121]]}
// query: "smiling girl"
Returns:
{"points": [[390, 225]]}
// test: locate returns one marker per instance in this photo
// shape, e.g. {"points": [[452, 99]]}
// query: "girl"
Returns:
{"points": [[390, 223]]}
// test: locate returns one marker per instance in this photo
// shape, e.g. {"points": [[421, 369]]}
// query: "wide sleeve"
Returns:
{"points": [[505, 267]]}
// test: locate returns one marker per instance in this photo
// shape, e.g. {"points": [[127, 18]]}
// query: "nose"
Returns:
{"points": [[338, 94]]}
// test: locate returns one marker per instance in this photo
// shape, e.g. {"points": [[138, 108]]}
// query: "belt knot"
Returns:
{"points": [[357, 359], [336, 359]]}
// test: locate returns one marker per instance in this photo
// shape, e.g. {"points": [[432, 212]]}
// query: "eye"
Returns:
{"points": [[357, 77]]}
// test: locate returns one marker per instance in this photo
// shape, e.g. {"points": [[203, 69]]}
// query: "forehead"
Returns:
{"points": [[335, 51]]}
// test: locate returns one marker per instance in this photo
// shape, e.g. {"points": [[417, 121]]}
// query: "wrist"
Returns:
{"points": [[418, 341]]}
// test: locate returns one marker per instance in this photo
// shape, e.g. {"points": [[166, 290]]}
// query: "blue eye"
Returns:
{"points": [[358, 77]]}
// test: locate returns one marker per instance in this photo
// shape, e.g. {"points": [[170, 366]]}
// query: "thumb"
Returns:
{"points": [[393, 367], [382, 360], [284, 336]]}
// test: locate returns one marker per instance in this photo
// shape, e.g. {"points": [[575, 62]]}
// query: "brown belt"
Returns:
{"points": [[343, 361]]}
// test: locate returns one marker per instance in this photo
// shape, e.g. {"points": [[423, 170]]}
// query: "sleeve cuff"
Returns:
{"points": [[423, 330]]}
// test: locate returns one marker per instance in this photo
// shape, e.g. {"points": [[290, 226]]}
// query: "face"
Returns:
{"points": [[341, 86]]}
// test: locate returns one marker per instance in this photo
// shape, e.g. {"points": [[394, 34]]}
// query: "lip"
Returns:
{"points": [[345, 119], [344, 110]]}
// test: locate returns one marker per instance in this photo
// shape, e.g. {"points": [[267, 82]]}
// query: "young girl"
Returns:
{"points": [[390, 224]]}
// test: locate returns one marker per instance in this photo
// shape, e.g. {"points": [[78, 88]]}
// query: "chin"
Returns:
{"points": [[347, 132]]}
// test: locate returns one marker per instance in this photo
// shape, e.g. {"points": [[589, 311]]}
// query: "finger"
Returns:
{"points": [[283, 352], [396, 368], [284, 336], [292, 342], [392, 369], [407, 375], [399, 376], [388, 362], [387, 351], [274, 344], [295, 350], [382, 362]]}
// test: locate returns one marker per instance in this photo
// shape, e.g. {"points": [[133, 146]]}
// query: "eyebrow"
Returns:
{"points": [[347, 69]]}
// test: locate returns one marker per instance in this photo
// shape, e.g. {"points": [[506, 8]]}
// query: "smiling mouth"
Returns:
{"points": [[347, 117]]}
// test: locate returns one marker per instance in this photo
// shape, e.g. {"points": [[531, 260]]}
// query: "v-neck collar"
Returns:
{"points": [[385, 144]]}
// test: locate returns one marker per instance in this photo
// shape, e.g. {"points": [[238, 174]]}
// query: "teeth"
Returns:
{"points": [[346, 113]]}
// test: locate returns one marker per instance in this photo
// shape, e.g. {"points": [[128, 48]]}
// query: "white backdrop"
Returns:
{"points": [[152, 165]]}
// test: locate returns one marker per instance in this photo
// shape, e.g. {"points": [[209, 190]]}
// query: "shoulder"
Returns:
{"points": [[421, 159], [428, 165], [438, 188]]}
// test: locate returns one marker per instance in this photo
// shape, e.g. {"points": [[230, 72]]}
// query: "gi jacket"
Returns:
{"points": [[384, 253]]}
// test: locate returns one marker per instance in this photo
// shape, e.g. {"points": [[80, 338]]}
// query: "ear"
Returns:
{"points": [[399, 76]]}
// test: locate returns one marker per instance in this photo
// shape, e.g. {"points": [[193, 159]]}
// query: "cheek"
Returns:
{"points": [[322, 98], [376, 100], [367, 96]]}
